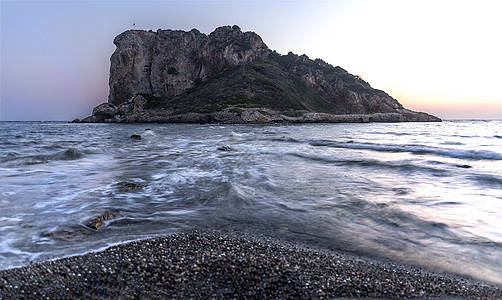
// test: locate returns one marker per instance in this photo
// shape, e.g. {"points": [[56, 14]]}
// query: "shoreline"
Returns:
{"points": [[108, 113], [205, 264]]}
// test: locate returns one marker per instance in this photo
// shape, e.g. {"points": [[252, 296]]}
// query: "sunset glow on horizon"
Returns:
{"points": [[442, 57]]}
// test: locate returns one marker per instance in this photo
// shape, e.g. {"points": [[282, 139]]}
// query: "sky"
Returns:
{"points": [[442, 57]]}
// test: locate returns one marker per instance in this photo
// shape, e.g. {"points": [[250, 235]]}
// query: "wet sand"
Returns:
{"points": [[229, 265]]}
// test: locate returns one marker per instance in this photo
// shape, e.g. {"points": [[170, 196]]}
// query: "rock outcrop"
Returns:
{"points": [[99, 222], [167, 62], [230, 76]]}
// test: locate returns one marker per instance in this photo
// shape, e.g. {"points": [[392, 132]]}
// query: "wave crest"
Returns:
{"points": [[71, 153], [415, 149]]}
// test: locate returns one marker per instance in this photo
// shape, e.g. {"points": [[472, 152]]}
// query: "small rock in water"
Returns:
{"points": [[224, 148], [99, 222], [127, 186], [65, 235], [401, 191], [464, 166], [73, 234], [136, 136]]}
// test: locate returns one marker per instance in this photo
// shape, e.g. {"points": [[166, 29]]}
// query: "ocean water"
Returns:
{"points": [[428, 194]]}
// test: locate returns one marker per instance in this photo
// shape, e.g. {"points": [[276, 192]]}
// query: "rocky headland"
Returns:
{"points": [[230, 76]]}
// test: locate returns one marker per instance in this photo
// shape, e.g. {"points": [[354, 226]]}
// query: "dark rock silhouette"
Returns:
{"points": [[230, 76]]}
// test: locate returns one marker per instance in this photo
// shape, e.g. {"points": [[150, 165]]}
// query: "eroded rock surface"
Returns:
{"points": [[168, 62]]}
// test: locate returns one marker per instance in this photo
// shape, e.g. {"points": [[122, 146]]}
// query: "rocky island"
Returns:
{"points": [[230, 76]]}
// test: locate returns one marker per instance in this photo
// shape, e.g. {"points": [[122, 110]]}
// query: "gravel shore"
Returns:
{"points": [[211, 264]]}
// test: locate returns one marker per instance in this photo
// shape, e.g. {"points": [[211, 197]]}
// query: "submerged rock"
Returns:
{"points": [[126, 186], [464, 166], [224, 148], [136, 136], [99, 222], [78, 233], [70, 234]]}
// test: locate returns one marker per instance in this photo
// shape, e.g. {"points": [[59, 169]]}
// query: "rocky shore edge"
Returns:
{"points": [[213, 264], [134, 111]]}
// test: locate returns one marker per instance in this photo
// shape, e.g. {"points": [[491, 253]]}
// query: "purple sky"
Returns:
{"points": [[437, 56]]}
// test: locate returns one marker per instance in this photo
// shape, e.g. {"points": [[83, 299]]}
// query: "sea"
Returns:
{"points": [[425, 194]]}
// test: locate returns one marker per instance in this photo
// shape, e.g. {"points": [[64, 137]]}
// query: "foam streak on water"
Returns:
{"points": [[428, 194]]}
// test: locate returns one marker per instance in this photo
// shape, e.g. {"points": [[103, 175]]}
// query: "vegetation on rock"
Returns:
{"points": [[255, 84]]}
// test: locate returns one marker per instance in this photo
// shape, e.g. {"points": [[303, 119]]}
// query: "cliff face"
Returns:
{"points": [[166, 63], [230, 76]]}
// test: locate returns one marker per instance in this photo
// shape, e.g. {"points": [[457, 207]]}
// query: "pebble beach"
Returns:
{"points": [[213, 264]]}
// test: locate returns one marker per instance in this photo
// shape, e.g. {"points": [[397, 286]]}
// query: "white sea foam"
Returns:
{"points": [[159, 176]]}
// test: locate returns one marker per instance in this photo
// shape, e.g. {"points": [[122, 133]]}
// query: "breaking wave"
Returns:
{"points": [[403, 166], [415, 149], [71, 153]]}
